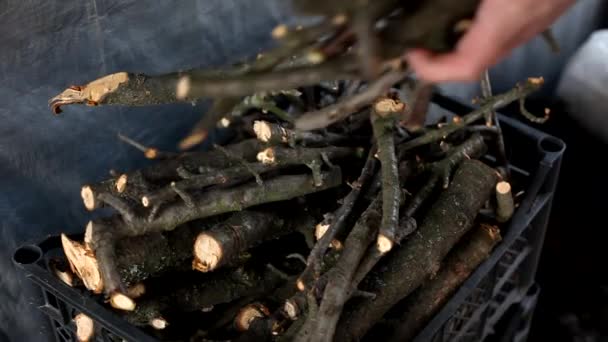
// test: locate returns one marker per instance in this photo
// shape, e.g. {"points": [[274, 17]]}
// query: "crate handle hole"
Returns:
{"points": [[27, 254], [550, 144]]}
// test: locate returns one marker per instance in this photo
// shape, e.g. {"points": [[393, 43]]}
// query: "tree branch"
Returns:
{"points": [[446, 222]]}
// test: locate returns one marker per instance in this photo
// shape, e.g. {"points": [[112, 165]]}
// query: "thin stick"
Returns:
{"points": [[336, 223], [242, 162], [83, 263], [384, 116], [149, 152], [501, 154], [494, 103], [341, 110], [531, 117], [248, 314], [313, 158], [446, 222], [367, 44], [337, 290]]}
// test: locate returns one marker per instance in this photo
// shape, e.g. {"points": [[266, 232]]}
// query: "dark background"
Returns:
{"points": [[48, 45]]}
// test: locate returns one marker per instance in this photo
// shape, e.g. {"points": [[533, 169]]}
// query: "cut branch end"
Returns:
{"points": [[85, 327], [266, 156], [88, 198], [182, 88], [248, 314], [207, 253], [122, 302], [159, 323], [121, 183], [262, 130], [384, 244]]}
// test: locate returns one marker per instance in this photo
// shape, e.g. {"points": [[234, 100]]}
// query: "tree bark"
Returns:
{"points": [[409, 266], [457, 267], [106, 232], [338, 288], [225, 242]]}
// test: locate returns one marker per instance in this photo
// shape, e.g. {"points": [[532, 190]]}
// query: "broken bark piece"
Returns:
{"points": [[433, 294], [341, 110], [225, 242], [409, 266], [504, 202], [384, 117], [492, 103], [85, 327], [336, 223], [106, 232], [338, 289], [83, 263]]}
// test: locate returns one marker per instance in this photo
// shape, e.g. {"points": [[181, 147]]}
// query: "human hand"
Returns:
{"points": [[498, 27]]}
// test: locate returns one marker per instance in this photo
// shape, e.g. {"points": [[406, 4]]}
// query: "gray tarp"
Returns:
{"points": [[48, 45]]}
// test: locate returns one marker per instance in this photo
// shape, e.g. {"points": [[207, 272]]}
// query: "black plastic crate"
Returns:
{"points": [[504, 280]]}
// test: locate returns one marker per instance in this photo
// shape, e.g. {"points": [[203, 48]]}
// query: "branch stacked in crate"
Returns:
{"points": [[332, 202]]}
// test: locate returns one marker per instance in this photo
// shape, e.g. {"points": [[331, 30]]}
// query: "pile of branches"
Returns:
{"points": [[333, 205]]}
